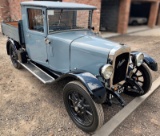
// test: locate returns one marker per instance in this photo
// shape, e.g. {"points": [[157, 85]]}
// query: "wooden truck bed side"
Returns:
{"points": [[14, 30], [10, 29], [15, 23]]}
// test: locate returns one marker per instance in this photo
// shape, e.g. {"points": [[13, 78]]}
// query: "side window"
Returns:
{"points": [[35, 19]]}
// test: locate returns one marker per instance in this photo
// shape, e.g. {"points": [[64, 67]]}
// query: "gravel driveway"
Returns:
{"points": [[28, 107]]}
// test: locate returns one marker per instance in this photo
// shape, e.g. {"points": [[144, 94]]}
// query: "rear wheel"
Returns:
{"points": [[14, 57], [143, 77], [84, 112]]}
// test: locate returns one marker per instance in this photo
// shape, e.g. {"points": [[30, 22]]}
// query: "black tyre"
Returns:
{"points": [[14, 57], [84, 112], [143, 77]]}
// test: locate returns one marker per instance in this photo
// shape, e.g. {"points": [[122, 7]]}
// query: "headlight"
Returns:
{"points": [[139, 59], [107, 71]]}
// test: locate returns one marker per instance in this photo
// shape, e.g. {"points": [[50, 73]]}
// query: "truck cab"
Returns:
{"points": [[44, 26]]}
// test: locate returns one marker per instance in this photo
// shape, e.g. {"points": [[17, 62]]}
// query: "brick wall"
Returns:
{"points": [[96, 15], [4, 10], [153, 14], [14, 7], [158, 18], [123, 18]]}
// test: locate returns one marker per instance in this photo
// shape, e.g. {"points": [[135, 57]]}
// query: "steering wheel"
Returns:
{"points": [[59, 24]]}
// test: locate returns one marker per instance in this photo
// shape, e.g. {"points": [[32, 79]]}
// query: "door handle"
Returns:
{"points": [[47, 41]]}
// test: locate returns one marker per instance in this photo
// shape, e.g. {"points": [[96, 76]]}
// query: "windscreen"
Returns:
{"points": [[59, 20]]}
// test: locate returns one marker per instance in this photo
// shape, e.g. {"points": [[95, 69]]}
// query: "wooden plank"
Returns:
{"points": [[15, 24]]}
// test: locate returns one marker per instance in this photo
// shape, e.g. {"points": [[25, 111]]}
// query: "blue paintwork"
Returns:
{"points": [[78, 50], [58, 5], [90, 52], [34, 40], [59, 49], [10, 31]]}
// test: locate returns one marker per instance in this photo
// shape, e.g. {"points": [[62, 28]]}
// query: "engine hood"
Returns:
{"points": [[94, 44], [90, 52], [83, 50], [69, 36]]}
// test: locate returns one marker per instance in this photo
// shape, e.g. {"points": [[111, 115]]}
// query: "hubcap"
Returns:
{"points": [[80, 109], [13, 56], [137, 76]]}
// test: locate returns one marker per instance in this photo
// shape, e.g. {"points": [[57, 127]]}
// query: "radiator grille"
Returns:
{"points": [[120, 68]]}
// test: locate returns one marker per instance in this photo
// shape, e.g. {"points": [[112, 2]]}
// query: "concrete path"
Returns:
{"points": [[114, 122], [134, 31]]}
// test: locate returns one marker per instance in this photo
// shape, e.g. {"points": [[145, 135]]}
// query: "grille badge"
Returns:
{"points": [[120, 63]]}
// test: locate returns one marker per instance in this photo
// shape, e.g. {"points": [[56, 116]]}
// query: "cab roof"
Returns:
{"points": [[57, 5]]}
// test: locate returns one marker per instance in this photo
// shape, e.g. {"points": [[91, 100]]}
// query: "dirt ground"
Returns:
{"points": [[28, 107]]}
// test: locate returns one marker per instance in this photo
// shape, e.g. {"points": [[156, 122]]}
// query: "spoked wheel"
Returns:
{"points": [[14, 57], [84, 112], [143, 77]]}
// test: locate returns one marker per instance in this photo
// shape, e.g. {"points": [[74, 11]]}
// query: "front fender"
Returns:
{"points": [[94, 87], [151, 63]]}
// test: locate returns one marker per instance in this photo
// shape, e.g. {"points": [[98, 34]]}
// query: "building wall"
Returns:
{"points": [[109, 15], [96, 15], [158, 19], [153, 14], [124, 12], [123, 17], [4, 10], [15, 9]]}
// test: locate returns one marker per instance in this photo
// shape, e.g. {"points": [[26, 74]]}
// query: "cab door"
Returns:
{"points": [[35, 36]]}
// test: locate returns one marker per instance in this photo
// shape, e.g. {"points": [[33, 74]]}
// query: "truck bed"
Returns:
{"points": [[15, 24], [10, 29], [13, 30]]}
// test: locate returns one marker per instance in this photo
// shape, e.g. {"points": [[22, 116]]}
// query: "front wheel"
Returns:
{"points": [[143, 77], [84, 112]]}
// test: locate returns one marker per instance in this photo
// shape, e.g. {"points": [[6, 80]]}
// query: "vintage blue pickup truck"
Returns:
{"points": [[55, 41]]}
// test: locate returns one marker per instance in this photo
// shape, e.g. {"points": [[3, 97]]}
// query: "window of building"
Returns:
{"points": [[35, 20]]}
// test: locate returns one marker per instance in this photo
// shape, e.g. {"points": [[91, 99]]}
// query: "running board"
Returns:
{"points": [[38, 72]]}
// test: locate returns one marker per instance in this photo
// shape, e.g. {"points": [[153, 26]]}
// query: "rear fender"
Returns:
{"points": [[9, 42], [151, 63], [8, 45], [94, 87]]}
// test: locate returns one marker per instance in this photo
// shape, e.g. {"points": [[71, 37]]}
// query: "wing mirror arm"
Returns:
{"points": [[91, 27]]}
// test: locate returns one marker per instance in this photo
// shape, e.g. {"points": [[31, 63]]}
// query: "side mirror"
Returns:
{"points": [[91, 27]]}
